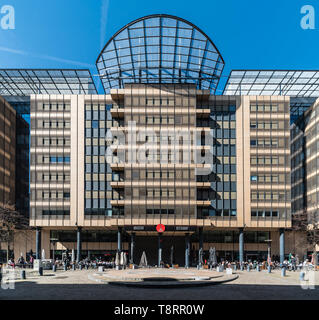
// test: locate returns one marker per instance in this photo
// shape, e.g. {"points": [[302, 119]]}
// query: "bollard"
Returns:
{"points": [[22, 274], [100, 269], [41, 271], [283, 272], [248, 268], [302, 276], [269, 269], [54, 268]]}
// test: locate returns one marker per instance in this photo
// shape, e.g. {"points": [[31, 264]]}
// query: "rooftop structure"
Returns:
{"points": [[160, 49], [24, 82], [293, 83]]}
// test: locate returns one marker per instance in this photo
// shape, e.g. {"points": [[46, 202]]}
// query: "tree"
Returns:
{"points": [[10, 221], [308, 222]]}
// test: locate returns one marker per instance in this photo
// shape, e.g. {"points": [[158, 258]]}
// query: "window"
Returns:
{"points": [[253, 124]]}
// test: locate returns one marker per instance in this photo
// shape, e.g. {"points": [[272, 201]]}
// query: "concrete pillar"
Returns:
{"points": [[187, 250], [78, 245], [241, 245], [119, 239], [132, 247], [282, 245], [38, 243], [159, 251], [201, 241]]}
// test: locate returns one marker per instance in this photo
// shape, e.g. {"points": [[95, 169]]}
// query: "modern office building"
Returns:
{"points": [[159, 146], [7, 153]]}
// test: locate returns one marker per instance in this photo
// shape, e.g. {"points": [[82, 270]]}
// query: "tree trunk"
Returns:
{"points": [[315, 256], [8, 248]]}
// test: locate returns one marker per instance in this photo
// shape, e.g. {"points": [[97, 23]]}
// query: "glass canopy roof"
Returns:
{"points": [[23, 82], [294, 83], [160, 49]]}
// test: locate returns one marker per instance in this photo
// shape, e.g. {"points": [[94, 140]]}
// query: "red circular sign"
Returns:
{"points": [[160, 228]]}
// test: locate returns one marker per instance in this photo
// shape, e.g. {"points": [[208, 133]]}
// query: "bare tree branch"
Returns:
{"points": [[308, 222], [10, 221]]}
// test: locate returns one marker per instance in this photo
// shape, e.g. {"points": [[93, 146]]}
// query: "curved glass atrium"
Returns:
{"points": [[160, 49]]}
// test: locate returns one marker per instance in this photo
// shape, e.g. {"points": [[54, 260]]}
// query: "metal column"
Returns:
{"points": [[200, 249], [132, 247], [78, 245], [187, 250], [38, 243], [241, 245], [282, 245], [119, 239], [159, 251]]}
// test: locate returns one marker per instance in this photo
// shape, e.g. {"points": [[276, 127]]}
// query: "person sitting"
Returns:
{"points": [[11, 263], [21, 261]]}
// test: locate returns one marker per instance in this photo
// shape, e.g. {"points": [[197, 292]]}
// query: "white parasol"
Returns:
{"points": [[43, 255]]}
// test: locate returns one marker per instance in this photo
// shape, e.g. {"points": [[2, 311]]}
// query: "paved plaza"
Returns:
{"points": [[87, 284]]}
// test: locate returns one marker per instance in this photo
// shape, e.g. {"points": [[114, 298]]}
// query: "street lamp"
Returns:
{"points": [[53, 241], [269, 248]]}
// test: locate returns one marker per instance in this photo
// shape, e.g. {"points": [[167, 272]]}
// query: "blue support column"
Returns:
{"points": [[159, 260], [78, 245], [119, 239], [187, 250], [241, 245], [38, 243], [200, 249], [132, 247], [282, 245]]}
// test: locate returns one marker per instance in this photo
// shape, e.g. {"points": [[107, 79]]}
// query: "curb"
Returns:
{"points": [[165, 284]]}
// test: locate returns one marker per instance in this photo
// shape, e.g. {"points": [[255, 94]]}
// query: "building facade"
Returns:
{"points": [[7, 153], [160, 147], [199, 164]]}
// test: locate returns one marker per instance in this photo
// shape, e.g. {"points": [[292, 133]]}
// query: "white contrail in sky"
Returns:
{"points": [[45, 57], [103, 23], [104, 12]]}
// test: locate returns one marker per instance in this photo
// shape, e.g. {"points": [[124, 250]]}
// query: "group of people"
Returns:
{"points": [[21, 262], [87, 262], [293, 263]]}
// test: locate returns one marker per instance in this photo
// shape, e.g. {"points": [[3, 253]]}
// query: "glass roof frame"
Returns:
{"points": [[160, 48], [294, 83], [24, 82]]}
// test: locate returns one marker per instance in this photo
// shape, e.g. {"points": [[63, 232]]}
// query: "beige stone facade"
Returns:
{"points": [[7, 153], [243, 181]]}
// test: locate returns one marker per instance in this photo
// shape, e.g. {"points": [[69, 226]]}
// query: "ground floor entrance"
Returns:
{"points": [[172, 249], [178, 246]]}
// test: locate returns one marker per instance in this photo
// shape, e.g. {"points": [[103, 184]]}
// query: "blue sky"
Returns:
{"points": [[71, 33]]}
